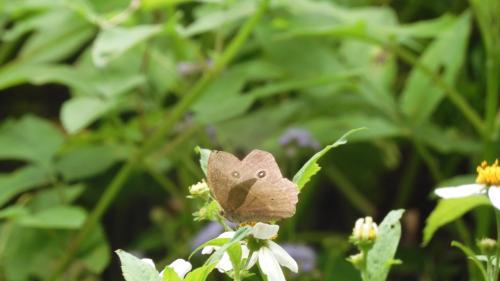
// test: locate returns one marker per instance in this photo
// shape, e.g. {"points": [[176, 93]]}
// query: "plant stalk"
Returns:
{"points": [[157, 138]]}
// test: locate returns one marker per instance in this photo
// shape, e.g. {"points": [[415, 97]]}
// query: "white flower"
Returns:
{"points": [[180, 266], [270, 255], [225, 265], [487, 182], [365, 230]]}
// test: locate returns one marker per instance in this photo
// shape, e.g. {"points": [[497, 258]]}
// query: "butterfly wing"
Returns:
{"points": [[271, 197], [252, 189], [222, 167]]}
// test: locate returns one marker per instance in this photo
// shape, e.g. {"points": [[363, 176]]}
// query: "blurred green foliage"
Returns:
{"points": [[103, 102]]}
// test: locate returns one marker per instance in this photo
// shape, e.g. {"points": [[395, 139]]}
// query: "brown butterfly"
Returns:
{"points": [[252, 189]]}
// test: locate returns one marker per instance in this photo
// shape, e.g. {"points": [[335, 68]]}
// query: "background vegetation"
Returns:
{"points": [[103, 102]]}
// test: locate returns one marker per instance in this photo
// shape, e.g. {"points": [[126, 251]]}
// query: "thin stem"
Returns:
{"points": [[344, 185], [496, 270], [157, 138]]}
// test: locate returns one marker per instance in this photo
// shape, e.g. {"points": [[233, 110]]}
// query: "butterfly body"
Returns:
{"points": [[252, 189]]}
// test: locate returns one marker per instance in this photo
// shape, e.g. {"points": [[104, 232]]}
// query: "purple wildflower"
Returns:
{"points": [[301, 137], [304, 255]]}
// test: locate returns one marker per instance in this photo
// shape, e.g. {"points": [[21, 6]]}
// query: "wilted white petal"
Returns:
{"points": [[282, 256], [265, 231], [494, 194], [459, 191], [269, 265], [149, 262], [181, 267]]}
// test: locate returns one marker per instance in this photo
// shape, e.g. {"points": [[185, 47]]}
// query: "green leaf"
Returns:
{"points": [[61, 35], [200, 274], [18, 73], [13, 212], [30, 139], [238, 236], [217, 18], [449, 210], [136, 270], [114, 41], [235, 253], [446, 54], [311, 167], [169, 274], [204, 155], [60, 217], [381, 256], [214, 242], [79, 112], [86, 161], [23, 179]]}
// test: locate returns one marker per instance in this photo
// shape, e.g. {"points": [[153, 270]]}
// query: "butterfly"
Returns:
{"points": [[252, 189]]}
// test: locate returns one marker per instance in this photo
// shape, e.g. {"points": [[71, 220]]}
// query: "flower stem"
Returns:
{"points": [[364, 269], [496, 269], [157, 138]]}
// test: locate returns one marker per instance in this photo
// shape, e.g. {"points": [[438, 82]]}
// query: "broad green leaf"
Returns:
{"points": [[381, 256], [217, 18], [30, 139], [136, 270], [58, 38], [169, 274], [23, 179], [449, 210], [114, 41], [13, 212], [444, 57], [60, 217], [204, 155], [56, 195], [79, 112], [199, 274], [42, 73], [311, 167], [87, 161]]}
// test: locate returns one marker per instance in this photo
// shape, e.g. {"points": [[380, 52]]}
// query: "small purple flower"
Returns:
{"points": [[301, 137], [304, 255]]}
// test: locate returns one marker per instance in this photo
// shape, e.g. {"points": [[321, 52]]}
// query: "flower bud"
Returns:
{"points": [[487, 246], [199, 188], [365, 231], [357, 260]]}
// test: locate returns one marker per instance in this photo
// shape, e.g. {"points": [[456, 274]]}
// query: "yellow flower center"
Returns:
{"points": [[488, 174]]}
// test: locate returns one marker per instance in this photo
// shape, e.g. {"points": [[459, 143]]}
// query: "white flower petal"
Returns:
{"points": [[149, 262], [459, 191], [253, 260], [224, 264], [282, 256], [265, 231], [494, 194], [269, 265], [227, 234], [181, 267]]}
